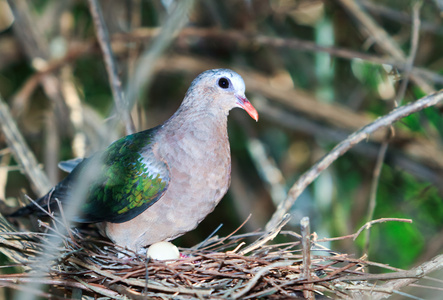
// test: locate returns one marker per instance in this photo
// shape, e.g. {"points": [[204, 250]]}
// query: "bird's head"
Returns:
{"points": [[219, 90]]}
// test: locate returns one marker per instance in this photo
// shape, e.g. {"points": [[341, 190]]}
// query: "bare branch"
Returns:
{"points": [[389, 133], [306, 251], [22, 153], [424, 269], [383, 40], [309, 176], [116, 84], [142, 76]]}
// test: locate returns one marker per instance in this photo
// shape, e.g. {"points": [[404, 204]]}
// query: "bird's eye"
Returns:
{"points": [[223, 83]]}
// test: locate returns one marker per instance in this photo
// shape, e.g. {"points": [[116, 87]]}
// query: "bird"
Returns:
{"points": [[157, 184]]}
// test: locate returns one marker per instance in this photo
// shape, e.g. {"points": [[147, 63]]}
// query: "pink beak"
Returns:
{"points": [[246, 105]]}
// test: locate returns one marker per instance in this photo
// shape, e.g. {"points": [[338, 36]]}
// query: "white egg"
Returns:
{"points": [[163, 251]]}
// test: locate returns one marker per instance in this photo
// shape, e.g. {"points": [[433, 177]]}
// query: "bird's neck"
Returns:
{"points": [[199, 120], [199, 125], [194, 138]]}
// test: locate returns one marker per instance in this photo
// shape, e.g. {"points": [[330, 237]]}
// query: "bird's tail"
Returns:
{"points": [[37, 207], [24, 211]]}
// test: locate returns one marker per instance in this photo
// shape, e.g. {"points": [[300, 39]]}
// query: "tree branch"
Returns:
{"points": [[23, 155], [114, 80], [309, 176]]}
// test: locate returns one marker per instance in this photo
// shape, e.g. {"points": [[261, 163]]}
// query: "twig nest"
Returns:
{"points": [[163, 251]]}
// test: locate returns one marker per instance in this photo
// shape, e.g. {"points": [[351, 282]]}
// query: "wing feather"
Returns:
{"points": [[131, 180]]}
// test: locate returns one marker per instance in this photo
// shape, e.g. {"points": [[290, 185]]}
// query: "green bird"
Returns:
{"points": [[158, 184]]}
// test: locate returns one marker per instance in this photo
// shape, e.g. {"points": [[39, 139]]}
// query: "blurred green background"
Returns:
{"points": [[315, 71]]}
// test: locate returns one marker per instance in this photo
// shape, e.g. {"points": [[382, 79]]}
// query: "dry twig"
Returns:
{"points": [[309, 176], [390, 131], [114, 80], [382, 38], [306, 250], [21, 152]]}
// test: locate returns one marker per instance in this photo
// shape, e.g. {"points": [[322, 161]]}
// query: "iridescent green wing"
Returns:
{"points": [[130, 180]]}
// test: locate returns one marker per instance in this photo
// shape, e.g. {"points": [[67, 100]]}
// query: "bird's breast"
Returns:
{"points": [[199, 166]]}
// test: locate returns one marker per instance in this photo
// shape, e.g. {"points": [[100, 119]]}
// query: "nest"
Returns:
{"points": [[218, 268]]}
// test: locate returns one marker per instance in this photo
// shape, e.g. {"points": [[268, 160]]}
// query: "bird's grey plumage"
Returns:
{"points": [[194, 145], [158, 184], [199, 166]]}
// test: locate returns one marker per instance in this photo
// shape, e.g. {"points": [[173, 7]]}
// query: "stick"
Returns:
{"points": [[22, 154], [309, 176], [306, 251], [389, 134], [374, 31], [268, 236], [258, 275], [105, 45]]}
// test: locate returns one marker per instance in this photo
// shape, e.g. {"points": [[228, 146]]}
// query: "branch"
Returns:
{"points": [[422, 270], [336, 115], [306, 252], [309, 176], [146, 64], [22, 154], [383, 40], [105, 45], [389, 133], [253, 39]]}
